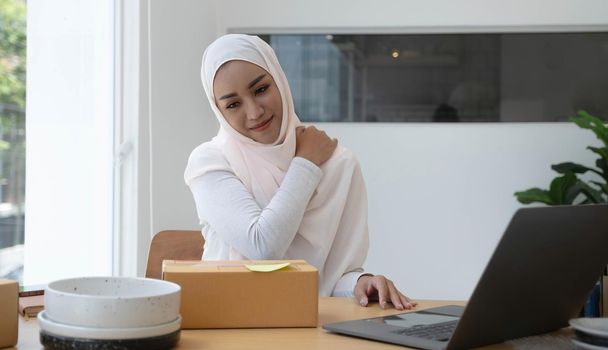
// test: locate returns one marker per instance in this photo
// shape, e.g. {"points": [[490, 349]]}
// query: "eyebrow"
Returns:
{"points": [[256, 80], [253, 82]]}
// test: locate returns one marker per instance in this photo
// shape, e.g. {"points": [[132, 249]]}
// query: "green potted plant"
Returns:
{"points": [[569, 188]]}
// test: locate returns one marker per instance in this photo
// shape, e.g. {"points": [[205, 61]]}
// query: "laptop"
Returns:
{"points": [[539, 277]]}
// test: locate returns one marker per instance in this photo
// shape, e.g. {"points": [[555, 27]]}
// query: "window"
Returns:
{"points": [[69, 126], [12, 137], [514, 77]]}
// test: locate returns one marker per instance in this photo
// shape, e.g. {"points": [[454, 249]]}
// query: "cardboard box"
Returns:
{"points": [[225, 294], [9, 323]]}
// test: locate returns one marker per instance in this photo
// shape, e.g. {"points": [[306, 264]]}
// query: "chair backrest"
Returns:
{"points": [[173, 245]]}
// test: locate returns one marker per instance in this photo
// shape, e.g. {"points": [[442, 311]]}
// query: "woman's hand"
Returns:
{"points": [[383, 290], [314, 144]]}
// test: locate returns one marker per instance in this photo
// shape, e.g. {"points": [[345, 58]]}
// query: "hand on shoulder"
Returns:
{"points": [[314, 144]]}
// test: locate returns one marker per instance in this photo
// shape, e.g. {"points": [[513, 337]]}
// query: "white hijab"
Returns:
{"points": [[261, 168]]}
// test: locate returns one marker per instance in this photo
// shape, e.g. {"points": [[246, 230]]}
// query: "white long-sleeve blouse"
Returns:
{"points": [[234, 220]]}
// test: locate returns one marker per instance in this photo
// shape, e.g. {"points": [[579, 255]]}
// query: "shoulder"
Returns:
{"points": [[205, 158], [207, 151], [345, 156], [343, 161]]}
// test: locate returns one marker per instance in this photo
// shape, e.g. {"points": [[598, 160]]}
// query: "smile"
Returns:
{"points": [[262, 126]]}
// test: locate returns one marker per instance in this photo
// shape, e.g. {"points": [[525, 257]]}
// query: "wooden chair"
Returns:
{"points": [[173, 245]]}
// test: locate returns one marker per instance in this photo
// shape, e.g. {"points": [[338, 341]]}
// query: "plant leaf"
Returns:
{"points": [[569, 167], [561, 189], [601, 151], [604, 187], [587, 121], [534, 195], [602, 162], [572, 192], [595, 196]]}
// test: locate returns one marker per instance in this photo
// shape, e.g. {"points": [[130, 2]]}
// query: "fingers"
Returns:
{"points": [[370, 288], [371, 292], [407, 302], [398, 299], [314, 144], [380, 285], [361, 291], [394, 296]]}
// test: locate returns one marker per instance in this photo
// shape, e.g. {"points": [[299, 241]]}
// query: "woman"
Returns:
{"points": [[268, 188]]}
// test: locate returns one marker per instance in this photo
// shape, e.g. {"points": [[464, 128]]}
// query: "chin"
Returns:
{"points": [[268, 140]]}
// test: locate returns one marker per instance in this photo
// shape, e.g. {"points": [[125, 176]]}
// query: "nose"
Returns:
{"points": [[254, 110]]}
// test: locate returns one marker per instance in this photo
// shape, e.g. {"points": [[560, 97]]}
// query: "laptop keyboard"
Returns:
{"points": [[437, 331]]}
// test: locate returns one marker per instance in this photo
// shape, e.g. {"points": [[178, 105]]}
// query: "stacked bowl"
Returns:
{"points": [[590, 333], [110, 312]]}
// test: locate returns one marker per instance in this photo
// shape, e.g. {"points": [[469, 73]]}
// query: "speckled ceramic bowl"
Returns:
{"points": [[112, 302]]}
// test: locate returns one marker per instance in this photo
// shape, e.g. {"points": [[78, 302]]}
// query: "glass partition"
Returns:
{"points": [[509, 77]]}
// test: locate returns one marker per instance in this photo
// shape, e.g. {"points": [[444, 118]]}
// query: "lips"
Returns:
{"points": [[263, 125]]}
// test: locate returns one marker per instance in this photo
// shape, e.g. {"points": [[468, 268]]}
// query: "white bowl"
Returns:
{"points": [[112, 302], [596, 326], [79, 332]]}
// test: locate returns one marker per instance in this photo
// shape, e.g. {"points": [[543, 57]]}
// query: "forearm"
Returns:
{"points": [[257, 233]]}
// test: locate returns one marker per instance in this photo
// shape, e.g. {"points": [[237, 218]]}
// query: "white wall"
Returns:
{"points": [[440, 195], [180, 116]]}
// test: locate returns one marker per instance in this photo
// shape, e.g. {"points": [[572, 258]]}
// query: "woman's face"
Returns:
{"points": [[249, 100]]}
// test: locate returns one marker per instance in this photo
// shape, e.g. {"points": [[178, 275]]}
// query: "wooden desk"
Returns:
{"points": [[330, 310]]}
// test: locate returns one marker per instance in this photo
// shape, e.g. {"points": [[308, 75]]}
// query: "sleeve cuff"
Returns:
{"points": [[345, 287], [308, 165]]}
